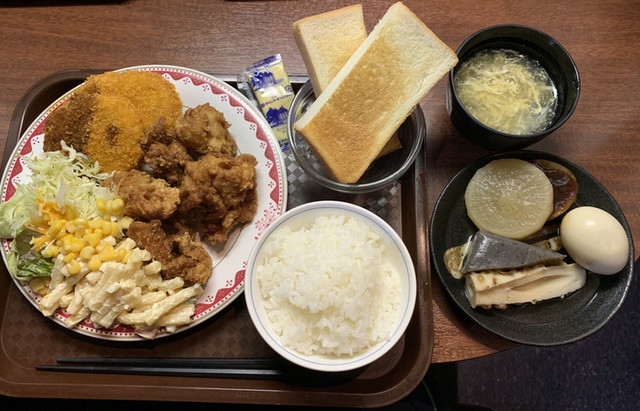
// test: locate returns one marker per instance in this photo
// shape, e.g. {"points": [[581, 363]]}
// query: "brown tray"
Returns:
{"points": [[28, 339]]}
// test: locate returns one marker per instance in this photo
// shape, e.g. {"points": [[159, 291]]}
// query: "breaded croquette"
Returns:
{"points": [[107, 116]]}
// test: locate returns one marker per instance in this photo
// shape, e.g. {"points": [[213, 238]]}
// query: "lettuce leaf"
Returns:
{"points": [[24, 263]]}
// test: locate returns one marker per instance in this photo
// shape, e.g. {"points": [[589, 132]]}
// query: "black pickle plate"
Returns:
{"points": [[552, 322]]}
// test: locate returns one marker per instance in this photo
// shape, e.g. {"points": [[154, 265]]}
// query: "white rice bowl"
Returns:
{"points": [[330, 286]]}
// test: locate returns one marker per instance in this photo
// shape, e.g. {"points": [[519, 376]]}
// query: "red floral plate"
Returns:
{"points": [[253, 136]]}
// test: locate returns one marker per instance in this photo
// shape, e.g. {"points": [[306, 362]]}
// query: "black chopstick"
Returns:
{"points": [[246, 373], [188, 362], [248, 368]]}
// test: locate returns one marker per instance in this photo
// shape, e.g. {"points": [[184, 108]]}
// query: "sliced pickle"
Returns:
{"points": [[509, 197], [565, 185]]}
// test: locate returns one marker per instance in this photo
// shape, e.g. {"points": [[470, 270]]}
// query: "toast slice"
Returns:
{"points": [[326, 41], [374, 92]]}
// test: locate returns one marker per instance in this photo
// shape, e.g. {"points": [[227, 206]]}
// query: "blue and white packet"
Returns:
{"points": [[273, 92]]}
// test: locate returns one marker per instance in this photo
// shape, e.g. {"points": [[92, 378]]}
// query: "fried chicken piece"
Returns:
{"points": [[144, 197], [151, 237], [219, 180], [167, 162], [190, 261], [205, 130], [218, 229], [164, 154], [223, 187], [179, 255], [158, 132]]}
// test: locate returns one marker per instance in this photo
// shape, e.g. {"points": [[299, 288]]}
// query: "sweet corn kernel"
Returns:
{"points": [[106, 229], [54, 251], [51, 251], [94, 263], [76, 245], [98, 232], [95, 223], [80, 222], [70, 257], [80, 231], [73, 267], [87, 252], [120, 254], [67, 240], [46, 253], [100, 205], [107, 253], [92, 239], [70, 227], [60, 234], [55, 227], [115, 229], [116, 206]]}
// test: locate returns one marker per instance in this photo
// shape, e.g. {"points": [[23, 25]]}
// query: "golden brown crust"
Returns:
{"points": [[106, 118], [326, 42], [355, 116]]}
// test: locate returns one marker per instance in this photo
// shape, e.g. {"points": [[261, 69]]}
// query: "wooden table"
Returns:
{"points": [[225, 36]]}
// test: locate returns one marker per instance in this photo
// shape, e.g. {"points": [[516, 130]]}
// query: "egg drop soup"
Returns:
{"points": [[507, 91]]}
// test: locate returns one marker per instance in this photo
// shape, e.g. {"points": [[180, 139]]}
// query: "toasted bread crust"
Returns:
{"points": [[326, 42], [375, 91]]}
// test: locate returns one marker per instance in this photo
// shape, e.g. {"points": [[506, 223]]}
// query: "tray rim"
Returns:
{"points": [[50, 385]]}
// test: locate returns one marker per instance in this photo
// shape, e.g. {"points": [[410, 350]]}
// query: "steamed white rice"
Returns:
{"points": [[327, 289]]}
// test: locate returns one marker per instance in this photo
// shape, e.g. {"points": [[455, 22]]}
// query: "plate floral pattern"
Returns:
{"points": [[253, 136]]}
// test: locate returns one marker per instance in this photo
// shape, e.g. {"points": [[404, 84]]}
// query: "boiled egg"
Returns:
{"points": [[595, 239]]}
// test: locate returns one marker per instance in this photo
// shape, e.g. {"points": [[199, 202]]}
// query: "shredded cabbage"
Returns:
{"points": [[66, 177]]}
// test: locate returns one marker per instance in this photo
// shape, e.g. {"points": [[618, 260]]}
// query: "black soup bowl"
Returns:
{"points": [[537, 46]]}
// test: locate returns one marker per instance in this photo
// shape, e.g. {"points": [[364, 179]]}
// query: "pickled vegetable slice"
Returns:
{"points": [[564, 183], [509, 197]]}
